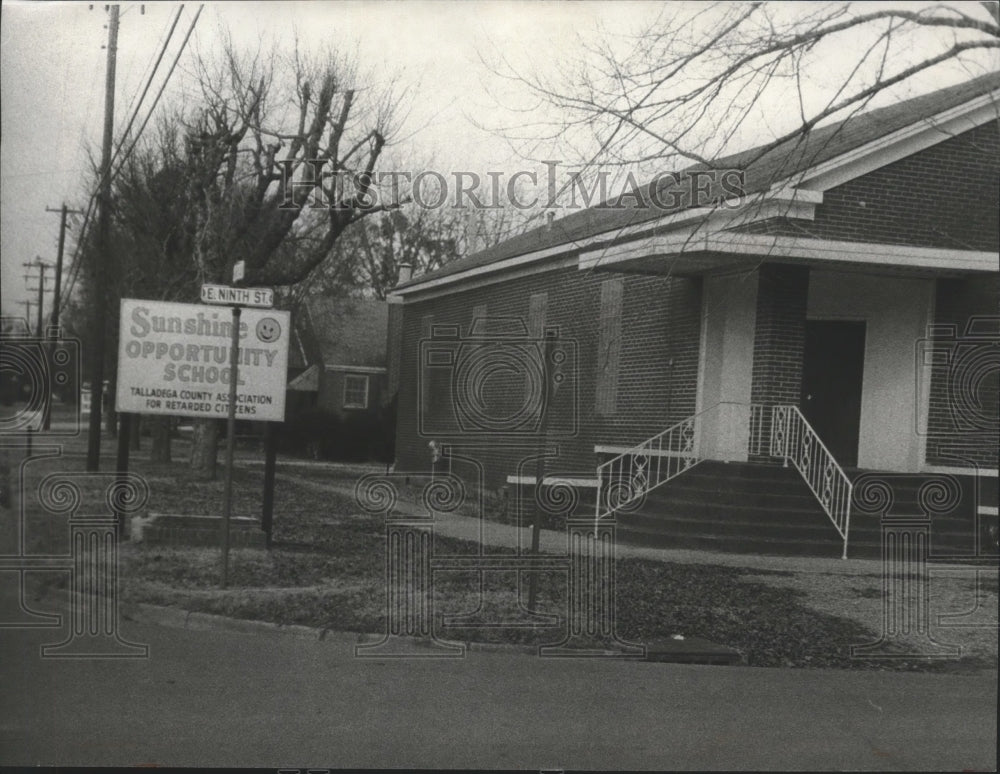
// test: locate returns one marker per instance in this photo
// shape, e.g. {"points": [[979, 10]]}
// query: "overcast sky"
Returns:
{"points": [[53, 71]]}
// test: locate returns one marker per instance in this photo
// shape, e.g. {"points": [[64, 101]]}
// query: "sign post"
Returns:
{"points": [[270, 463], [227, 502], [121, 467]]}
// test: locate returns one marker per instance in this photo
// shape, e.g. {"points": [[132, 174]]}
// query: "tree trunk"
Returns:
{"points": [[159, 450], [134, 430], [204, 448]]}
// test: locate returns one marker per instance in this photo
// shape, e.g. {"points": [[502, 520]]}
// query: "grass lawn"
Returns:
{"points": [[327, 570]]}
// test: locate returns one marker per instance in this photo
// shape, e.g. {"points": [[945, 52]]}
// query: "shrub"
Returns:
{"points": [[307, 432], [354, 437]]}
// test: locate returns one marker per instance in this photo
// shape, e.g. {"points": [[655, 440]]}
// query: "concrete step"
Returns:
{"points": [[769, 509], [745, 507], [193, 536], [714, 541], [646, 523], [197, 530]]}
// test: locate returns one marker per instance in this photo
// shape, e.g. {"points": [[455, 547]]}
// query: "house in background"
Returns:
{"points": [[743, 376], [341, 345]]}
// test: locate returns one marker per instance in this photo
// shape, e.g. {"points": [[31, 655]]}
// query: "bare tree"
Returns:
{"points": [[370, 253], [278, 157], [153, 238], [483, 228], [367, 258], [689, 86]]}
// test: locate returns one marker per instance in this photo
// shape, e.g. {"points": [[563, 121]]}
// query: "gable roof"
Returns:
{"points": [[762, 167], [347, 331]]}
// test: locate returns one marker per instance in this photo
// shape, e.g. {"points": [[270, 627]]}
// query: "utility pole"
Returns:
{"points": [[41, 296], [63, 211], [27, 312], [100, 256], [46, 387], [54, 331], [42, 268]]}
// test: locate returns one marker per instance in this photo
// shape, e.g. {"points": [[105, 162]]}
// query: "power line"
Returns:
{"points": [[90, 204], [149, 82], [163, 86], [149, 65], [93, 197]]}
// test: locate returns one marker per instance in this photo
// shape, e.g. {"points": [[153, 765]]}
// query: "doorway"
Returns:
{"points": [[832, 373]]}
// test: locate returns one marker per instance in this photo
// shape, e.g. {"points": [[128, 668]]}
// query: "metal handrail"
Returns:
{"points": [[624, 479], [629, 476], [796, 441]]}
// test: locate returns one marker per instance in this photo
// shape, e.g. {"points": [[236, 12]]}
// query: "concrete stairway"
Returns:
{"points": [[768, 509]]}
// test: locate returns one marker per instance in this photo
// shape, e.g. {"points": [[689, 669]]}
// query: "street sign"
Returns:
{"points": [[262, 298], [175, 359]]}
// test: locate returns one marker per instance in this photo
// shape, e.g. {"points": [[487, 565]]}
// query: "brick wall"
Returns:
{"points": [[945, 196], [660, 322], [779, 339], [394, 341], [963, 422]]}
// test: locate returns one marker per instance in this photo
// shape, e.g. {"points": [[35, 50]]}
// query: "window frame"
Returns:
{"points": [[347, 387]]}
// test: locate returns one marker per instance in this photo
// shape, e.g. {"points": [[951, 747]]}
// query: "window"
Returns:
{"points": [[355, 391]]}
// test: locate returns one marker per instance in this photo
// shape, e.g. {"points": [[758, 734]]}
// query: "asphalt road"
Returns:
{"points": [[219, 698]]}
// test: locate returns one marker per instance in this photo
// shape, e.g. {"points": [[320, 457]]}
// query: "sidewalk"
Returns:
{"points": [[505, 535], [844, 588]]}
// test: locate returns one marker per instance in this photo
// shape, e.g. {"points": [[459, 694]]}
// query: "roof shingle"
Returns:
{"points": [[760, 169], [349, 331]]}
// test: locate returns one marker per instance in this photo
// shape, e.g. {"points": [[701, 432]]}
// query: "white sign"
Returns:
{"points": [[223, 294], [239, 271], [174, 359]]}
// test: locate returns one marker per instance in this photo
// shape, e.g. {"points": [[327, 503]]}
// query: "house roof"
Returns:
{"points": [[347, 331], [296, 353], [307, 381], [761, 167]]}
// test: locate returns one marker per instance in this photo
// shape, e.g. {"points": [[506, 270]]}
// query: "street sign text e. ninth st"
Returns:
{"points": [[262, 298]]}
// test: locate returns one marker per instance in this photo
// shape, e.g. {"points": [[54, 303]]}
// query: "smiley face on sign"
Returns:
{"points": [[268, 330]]}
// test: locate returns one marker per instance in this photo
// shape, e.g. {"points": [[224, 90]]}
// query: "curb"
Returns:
{"points": [[175, 617], [178, 618]]}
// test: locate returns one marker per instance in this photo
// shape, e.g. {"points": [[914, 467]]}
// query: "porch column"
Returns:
{"points": [[779, 336], [727, 336]]}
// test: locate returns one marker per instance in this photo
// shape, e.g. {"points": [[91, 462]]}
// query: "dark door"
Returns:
{"points": [[833, 366]]}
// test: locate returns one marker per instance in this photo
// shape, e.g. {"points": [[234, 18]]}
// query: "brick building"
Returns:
{"points": [[838, 318]]}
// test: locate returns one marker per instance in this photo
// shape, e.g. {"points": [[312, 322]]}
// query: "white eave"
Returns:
{"points": [[897, 145], [731, 245]]}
